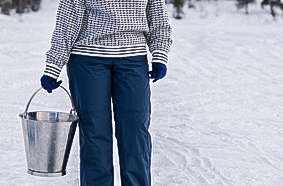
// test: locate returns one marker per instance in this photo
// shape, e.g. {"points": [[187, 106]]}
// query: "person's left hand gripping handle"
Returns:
{"points": [[49, 83]]}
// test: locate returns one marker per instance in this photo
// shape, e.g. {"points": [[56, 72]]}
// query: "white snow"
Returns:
{"points": [[217, 118]]}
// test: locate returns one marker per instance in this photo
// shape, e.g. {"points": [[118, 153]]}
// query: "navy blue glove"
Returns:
{"points": [[159, 71], [49, 83]]}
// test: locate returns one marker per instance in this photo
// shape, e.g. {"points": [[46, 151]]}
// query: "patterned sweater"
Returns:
{"points": [[110, 28]]}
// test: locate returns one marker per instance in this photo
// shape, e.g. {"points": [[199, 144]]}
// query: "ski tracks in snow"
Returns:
{"points": [[181, 164], [217, 119]]}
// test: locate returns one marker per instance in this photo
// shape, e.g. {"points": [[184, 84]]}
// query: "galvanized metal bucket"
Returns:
{"points": [[48, 138]]}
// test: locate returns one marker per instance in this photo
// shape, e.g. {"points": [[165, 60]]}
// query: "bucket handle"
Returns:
{"points": [[73, 110]]}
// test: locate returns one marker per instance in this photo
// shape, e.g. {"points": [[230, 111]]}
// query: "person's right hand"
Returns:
{"points": [[158, 72], [49, 83]]}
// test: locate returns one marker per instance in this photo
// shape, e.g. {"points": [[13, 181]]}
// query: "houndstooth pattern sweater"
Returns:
{"points": [[110, 28]]}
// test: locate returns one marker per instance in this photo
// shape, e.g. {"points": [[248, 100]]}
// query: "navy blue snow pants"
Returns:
{"points": [[93, 81]]}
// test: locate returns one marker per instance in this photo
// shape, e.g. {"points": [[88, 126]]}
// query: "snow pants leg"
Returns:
{"points": [[93, 82], [131, 103]]}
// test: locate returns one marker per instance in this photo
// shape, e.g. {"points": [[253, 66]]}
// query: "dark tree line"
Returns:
{"points": [[272, 3], [178, 7], [21, 6], [244, 4], [178, 4]]}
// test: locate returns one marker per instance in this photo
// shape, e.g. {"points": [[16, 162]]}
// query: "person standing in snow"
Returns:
{"points": [[103, 43]]}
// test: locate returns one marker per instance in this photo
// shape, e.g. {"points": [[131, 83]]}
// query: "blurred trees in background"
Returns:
{"points": [[20, 6], [5, 6], [178, 5], [275, 5], [272, 3], [191, 5], [244, 4]]}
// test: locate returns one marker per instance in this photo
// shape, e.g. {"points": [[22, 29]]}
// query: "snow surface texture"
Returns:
{"points": [[217, 117]]}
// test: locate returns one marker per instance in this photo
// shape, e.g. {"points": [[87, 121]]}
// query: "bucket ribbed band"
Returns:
{"points": [[47, 174]]}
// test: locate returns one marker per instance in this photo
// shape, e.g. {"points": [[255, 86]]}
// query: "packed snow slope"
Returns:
{"points": [[217, 118]]}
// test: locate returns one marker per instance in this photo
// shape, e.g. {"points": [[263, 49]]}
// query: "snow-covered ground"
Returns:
{"points": [[217, 117]]}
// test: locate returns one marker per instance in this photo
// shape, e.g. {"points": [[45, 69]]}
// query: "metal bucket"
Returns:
{"points": [[48, 138]]}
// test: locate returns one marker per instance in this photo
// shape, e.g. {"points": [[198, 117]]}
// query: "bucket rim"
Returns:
{"points": [[23, 115]]}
